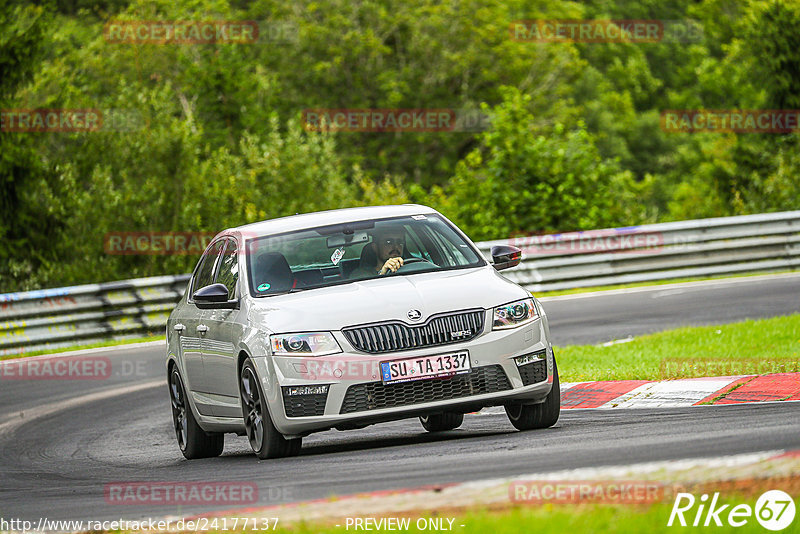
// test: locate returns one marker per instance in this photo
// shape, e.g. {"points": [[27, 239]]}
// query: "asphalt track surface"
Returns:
{"points": [[61, 442]]}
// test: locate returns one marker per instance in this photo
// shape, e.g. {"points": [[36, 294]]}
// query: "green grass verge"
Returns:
{"points": [[108, 343], [550, 519], [592, 289], [750, 347]]}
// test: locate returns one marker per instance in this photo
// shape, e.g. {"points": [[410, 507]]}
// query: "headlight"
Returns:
{"points": [[311, 344], [514, 314]]}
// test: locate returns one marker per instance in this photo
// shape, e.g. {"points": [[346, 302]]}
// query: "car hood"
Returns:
{"points": [[384, 299]]}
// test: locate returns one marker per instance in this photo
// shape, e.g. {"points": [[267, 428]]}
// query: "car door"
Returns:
{"points": [[220, 348], [194, 330]]}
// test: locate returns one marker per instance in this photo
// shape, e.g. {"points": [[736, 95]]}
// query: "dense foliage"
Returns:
{"points": [[211, 135]]}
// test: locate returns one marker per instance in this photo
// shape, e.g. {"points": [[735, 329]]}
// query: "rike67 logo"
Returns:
{"points": [[774, 510]]}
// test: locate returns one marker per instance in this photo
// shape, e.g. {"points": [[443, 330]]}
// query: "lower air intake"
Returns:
{"points": [[376, 395]]}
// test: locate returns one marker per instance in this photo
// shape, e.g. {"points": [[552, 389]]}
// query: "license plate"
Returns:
{"points": [[424, 367]]}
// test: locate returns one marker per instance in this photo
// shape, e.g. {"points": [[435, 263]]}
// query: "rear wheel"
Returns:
{"points": [[193, 440], [543, 415], [265, 439], [441, 421]]}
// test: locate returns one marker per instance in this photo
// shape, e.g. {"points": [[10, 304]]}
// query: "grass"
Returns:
{"points": [[750, 347], [592, 289], [107, 343], [557, 519]]}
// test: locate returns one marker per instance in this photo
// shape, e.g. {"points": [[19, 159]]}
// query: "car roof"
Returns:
{"points": [[323, 218]]}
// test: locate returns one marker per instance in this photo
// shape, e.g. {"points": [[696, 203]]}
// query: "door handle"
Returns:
{"points": [[179, 327], [202, 328]]}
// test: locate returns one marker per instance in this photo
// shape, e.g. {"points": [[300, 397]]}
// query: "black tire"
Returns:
{"points": [[543, 415], [439, 422], [265, 440], [193, 441]]}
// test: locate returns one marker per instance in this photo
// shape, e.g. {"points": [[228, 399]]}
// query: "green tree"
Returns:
{"points": [[525, 180], [28, 226], [774, 42]]}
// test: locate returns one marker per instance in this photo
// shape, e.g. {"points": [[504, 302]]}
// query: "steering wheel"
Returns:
{"points": [[411, 261]]}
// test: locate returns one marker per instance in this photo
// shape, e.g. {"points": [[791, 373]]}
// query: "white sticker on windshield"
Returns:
{"points": [[337, 255], [418, 217]]}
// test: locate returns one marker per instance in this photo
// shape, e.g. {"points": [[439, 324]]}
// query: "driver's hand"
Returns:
{"points": [[392, 264]]}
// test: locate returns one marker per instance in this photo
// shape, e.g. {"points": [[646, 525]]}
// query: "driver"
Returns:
{"points": [[388, 246]]}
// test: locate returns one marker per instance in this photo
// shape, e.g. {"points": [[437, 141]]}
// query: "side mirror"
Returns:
{"points": [[214, 297], [505, 256]]}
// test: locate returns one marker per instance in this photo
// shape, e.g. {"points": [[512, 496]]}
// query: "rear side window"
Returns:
{"points": [[228, 272], [205, 271]]}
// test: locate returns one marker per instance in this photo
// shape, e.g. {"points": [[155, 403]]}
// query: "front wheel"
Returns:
{"points": [[543, 415], [441, 421], [265, 440], [193, 440]]}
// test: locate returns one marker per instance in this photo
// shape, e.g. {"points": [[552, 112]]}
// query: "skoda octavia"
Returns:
{"points": [[346, 318]]}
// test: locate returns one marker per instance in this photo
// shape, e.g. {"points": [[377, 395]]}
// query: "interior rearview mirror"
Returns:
{"points": [[336, 241]]}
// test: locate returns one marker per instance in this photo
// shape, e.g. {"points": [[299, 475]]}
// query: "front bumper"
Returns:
{"points": [[495, 379]]}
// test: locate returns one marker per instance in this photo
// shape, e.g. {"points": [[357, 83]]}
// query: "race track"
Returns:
{"points": [[61, 442]]}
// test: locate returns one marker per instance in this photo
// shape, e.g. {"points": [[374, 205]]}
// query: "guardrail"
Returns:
{"points": [[62, 317], [704, 247], [53, 318]]}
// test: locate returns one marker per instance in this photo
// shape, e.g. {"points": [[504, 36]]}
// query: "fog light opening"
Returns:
{"points": [[530, 358], [291, 391]]}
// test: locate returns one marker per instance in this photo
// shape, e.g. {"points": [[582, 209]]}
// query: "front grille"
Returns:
{"points": [[395, 336], [533, 372], [304, 405], [376, 395]]}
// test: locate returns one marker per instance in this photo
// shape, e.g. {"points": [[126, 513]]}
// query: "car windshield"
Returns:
{"points": [[350, 252]]}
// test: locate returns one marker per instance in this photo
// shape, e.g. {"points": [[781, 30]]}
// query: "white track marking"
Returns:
{"points": [[31, 414], [111, 348], [671, 393]]}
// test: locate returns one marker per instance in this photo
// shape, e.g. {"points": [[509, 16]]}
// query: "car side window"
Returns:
{"points": [[414, 245], [205, 272], [228, 272]]}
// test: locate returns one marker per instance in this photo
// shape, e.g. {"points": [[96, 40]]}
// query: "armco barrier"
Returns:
{"points": [[704, 247], [59, 317]]}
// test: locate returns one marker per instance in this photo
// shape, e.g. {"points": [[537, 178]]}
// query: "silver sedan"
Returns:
{"points": [[346, 318]]}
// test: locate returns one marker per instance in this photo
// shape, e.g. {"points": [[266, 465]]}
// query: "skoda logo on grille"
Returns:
{"points": [[414, 315]]}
